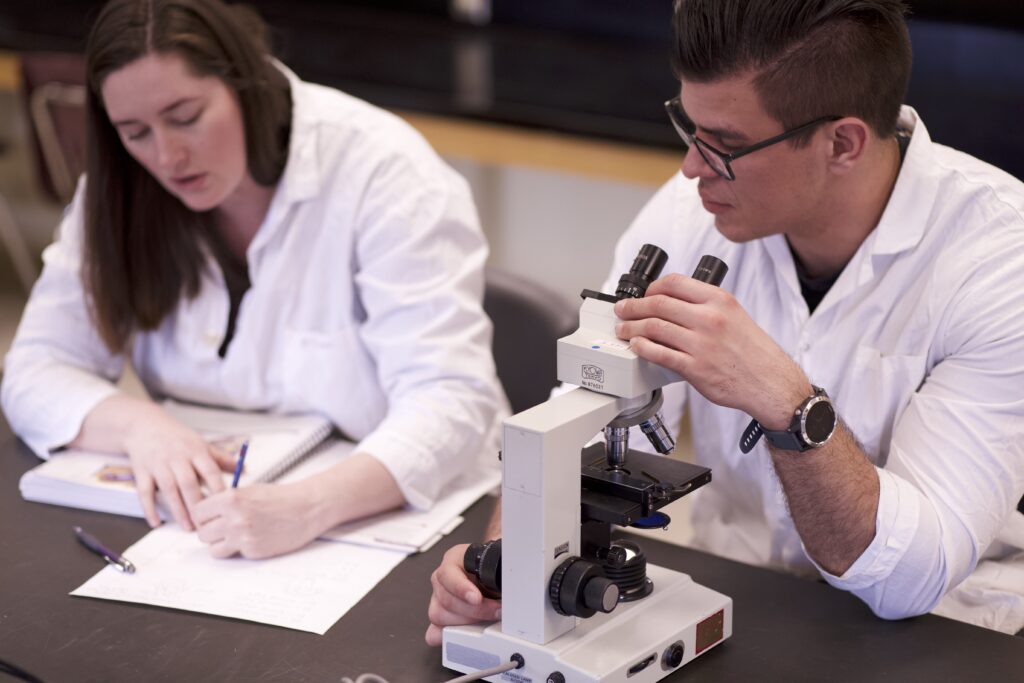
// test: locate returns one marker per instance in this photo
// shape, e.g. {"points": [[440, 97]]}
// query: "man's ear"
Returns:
{"points": [[848, 140]]}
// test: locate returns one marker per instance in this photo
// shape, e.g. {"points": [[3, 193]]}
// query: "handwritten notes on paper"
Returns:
{"points": [[307, 590]]}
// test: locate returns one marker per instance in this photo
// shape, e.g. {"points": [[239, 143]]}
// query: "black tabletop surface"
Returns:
{"points": [[786, 629]]}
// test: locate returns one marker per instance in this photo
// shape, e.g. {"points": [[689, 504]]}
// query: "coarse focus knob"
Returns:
{"points": [[579, 588], [483, 560]]}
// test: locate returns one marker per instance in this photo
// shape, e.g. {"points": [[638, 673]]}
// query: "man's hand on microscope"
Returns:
{"points": [[456, 599]]}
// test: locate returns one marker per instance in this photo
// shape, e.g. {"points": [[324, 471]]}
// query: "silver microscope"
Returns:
{"points": [[578, 606]]}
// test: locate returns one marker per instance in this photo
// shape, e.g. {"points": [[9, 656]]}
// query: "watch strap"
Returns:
{"points": [[750, 436], [785, 440]]}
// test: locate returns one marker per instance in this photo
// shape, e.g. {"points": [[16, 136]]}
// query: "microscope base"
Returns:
{"points": [[633, 642]]}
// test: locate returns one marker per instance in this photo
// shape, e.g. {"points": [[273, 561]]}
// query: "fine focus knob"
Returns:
{"points": [[601, 594]]}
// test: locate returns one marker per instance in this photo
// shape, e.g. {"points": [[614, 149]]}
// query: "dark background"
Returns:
{"points": [[590, 67]]}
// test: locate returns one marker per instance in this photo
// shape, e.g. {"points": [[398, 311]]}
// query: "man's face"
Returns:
{"points": [[778, 189]]}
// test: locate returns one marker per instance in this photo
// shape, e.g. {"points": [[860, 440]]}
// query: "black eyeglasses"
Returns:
{"points": [[719, 161]]}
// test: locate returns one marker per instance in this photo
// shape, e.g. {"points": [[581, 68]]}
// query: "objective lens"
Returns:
{"points": [[646, 268], [658, 434], [616, 444]]}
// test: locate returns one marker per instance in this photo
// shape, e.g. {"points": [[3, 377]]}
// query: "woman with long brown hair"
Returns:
{"points": [[249, 240]]}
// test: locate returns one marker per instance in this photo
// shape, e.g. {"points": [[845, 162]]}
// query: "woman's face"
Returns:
{"points": [[186, 130]]}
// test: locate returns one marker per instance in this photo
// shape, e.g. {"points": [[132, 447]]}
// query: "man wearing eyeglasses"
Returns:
{"points": [[857, 384]]}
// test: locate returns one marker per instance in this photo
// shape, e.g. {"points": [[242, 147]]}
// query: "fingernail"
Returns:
{"points": [[472, 597], [618, 328], [619, 305]]}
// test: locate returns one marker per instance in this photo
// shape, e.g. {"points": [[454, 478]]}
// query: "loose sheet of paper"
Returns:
{"points": [[407, 530], [307, 590], [415, 530]]}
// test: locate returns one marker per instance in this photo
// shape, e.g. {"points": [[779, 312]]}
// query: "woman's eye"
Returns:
{"points": [[138, 135], [190, 120]]}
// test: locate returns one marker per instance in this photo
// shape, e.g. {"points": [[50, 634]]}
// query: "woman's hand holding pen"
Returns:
{"points": [[168, 457], [257, 521], [263, 520]]}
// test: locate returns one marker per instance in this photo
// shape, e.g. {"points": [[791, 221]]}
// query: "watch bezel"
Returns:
{"points": [[805, 411]]}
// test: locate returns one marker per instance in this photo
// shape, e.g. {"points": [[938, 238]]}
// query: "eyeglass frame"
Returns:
{"points": [[674, 108]]}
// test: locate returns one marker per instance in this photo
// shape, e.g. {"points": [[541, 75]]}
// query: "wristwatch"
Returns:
{"points": [[813, 423]]}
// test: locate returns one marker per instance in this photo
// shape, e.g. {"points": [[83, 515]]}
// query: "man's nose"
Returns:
{"points": [[694, 165]]}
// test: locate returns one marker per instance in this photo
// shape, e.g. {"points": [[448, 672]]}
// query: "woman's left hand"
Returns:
{"points": [[257, 521]]}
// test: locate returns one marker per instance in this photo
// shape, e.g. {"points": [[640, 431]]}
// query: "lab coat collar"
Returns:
{"points": [[905, 218], [301, 179], [901, 227]]}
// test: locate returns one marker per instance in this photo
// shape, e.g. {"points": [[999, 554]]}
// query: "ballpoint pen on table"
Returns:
{"points": [[238, 465], [114, 559]]}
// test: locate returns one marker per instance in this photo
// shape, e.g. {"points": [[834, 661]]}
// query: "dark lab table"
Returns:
{"points": [[786, 629]]}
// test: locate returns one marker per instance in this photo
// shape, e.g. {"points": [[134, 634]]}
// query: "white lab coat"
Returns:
{"points": [[920, 343], [367, 277]]}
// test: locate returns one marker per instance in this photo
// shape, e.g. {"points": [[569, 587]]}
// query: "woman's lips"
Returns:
{"points": [[189, 183]]}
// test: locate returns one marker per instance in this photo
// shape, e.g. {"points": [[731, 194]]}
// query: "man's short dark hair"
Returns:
{"points": [[809, 58]]}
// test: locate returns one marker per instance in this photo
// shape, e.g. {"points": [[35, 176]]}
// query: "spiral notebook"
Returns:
{"points": [[103, 482]]}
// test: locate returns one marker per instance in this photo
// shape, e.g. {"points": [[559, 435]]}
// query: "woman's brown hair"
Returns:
{"points": [[143, 247]]}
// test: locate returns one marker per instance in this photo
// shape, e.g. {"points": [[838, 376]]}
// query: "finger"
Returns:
{"points": [[209, 471], [674, 359], [477, 609], [225, 461], [213, 531], [455, 582], [661, 306], [187, 483], [168, 487], [146, 488], [443, 616], [679, 286], [656, 329], [223, 549], [213, 507], [433, 635]]}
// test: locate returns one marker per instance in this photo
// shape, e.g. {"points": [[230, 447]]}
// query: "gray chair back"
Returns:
{"points": [[528, 318]]}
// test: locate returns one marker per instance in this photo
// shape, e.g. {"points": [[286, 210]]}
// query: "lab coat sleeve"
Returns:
{"points": [[420, 278], [58, 369], [955, 471]]}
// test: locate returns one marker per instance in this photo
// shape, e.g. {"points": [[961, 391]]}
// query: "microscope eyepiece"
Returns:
{"points": [[646, 268], [711, 270]]}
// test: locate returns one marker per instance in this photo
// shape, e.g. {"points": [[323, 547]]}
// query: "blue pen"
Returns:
{"points": [[113, 559], [238, 465]]}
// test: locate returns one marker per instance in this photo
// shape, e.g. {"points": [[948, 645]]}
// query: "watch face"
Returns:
{"points": [[819, 421]]}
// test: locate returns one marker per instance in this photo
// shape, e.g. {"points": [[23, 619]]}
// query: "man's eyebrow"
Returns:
{"points": [[725, 133], [168, 108]]}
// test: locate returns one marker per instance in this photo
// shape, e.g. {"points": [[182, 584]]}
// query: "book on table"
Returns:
{"points": [[104, 482]]}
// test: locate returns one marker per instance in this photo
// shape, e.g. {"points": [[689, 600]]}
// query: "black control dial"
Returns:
{"points": [[579, 588]]}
